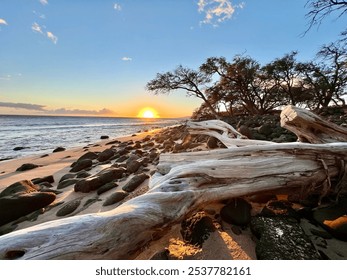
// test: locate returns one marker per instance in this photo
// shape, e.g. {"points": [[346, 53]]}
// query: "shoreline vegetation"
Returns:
{"points": [[102, 176]]}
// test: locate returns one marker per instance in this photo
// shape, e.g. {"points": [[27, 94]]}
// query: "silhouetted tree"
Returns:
{"points": [[320, 9], [326, 78], [285, 77], [186, 79]]}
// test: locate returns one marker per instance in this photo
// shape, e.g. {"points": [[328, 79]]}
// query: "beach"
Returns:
{"points": [[59, 164], [100, 177]]}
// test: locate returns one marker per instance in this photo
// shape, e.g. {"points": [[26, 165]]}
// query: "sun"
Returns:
{"points": [[148, 113]]}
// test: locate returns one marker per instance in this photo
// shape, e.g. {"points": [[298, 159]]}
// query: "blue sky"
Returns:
{"points": [[91, 57]]}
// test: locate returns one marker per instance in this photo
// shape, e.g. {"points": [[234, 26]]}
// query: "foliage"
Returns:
{"points": [[244, 86]]}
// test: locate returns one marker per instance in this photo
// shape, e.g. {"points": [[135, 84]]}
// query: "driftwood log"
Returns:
{"points": [[311, 128], [183, 183]]}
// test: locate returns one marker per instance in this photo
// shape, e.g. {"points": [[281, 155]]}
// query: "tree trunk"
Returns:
{"points": [[310, 127], [182, 184]]}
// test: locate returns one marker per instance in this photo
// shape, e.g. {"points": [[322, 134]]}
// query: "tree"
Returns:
{"points": [[283, 74], [320, 9], [186, 79], [326, 78]]}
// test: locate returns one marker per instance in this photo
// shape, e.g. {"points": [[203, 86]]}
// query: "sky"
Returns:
{"points": [[94, 57]]}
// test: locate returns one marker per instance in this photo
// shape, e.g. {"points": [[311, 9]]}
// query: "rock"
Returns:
{"points": [[27, 166], [106, 187], [134, 182], [81, 164], [48, 179], [88, 155], [113, 142], [237, 212], [338, 227], [122, 158], [20, 199], [196, 229], [59, 149], [133, 166], [82, 174], [68, 208], [245, 131], [212, 143], [282, 238], [265, 129], [178, 148], [20, 148], [334, 218], [68, 182], [104, 137], [21, 187], [105, 155], [93, 183], [279, 208], [67, 176], [115, 197]]}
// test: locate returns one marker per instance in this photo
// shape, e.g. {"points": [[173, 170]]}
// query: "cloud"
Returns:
{"points": [[27, 106], [41, 16], [52, 37], [6, 77], [217, 11], [36, 28], [39, 29], [125, 58], [43, 2], [61, 111], [2, 21], [64, 111], [117, 7]]}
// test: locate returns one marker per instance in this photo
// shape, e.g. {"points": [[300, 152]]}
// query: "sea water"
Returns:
{"points": [[42, 134]]}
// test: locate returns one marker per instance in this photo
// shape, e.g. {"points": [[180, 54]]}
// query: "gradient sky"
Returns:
{"points": [[89, 57]]}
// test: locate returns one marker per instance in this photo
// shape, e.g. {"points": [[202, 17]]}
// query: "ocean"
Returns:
{"points": [[42, 134]]}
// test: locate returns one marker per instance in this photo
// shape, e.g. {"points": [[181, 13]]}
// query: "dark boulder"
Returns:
{"points": [[265, 129], [20, 187], [102, 137], [333, 218], [133, 166], [20, 148], [59, 149], [282, 238], [27, 166], [212, 143], [245, 131], [95, 182], [67, 176], [105, 155], [48, 179], [279, 208], [196, 229], [68, 208], [135, 182], [107, 187], [68, 182], [115, 197], [237, 212], [21, 199], [81, 164], [88, 155]]}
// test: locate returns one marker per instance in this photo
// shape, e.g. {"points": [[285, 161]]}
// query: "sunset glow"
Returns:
{"points": [[148, 113]]}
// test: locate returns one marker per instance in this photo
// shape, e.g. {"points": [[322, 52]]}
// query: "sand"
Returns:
{"points": [[222, 244]]}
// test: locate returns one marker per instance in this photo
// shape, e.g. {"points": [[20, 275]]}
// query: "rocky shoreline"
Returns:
{"points": [[102, 176]]}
